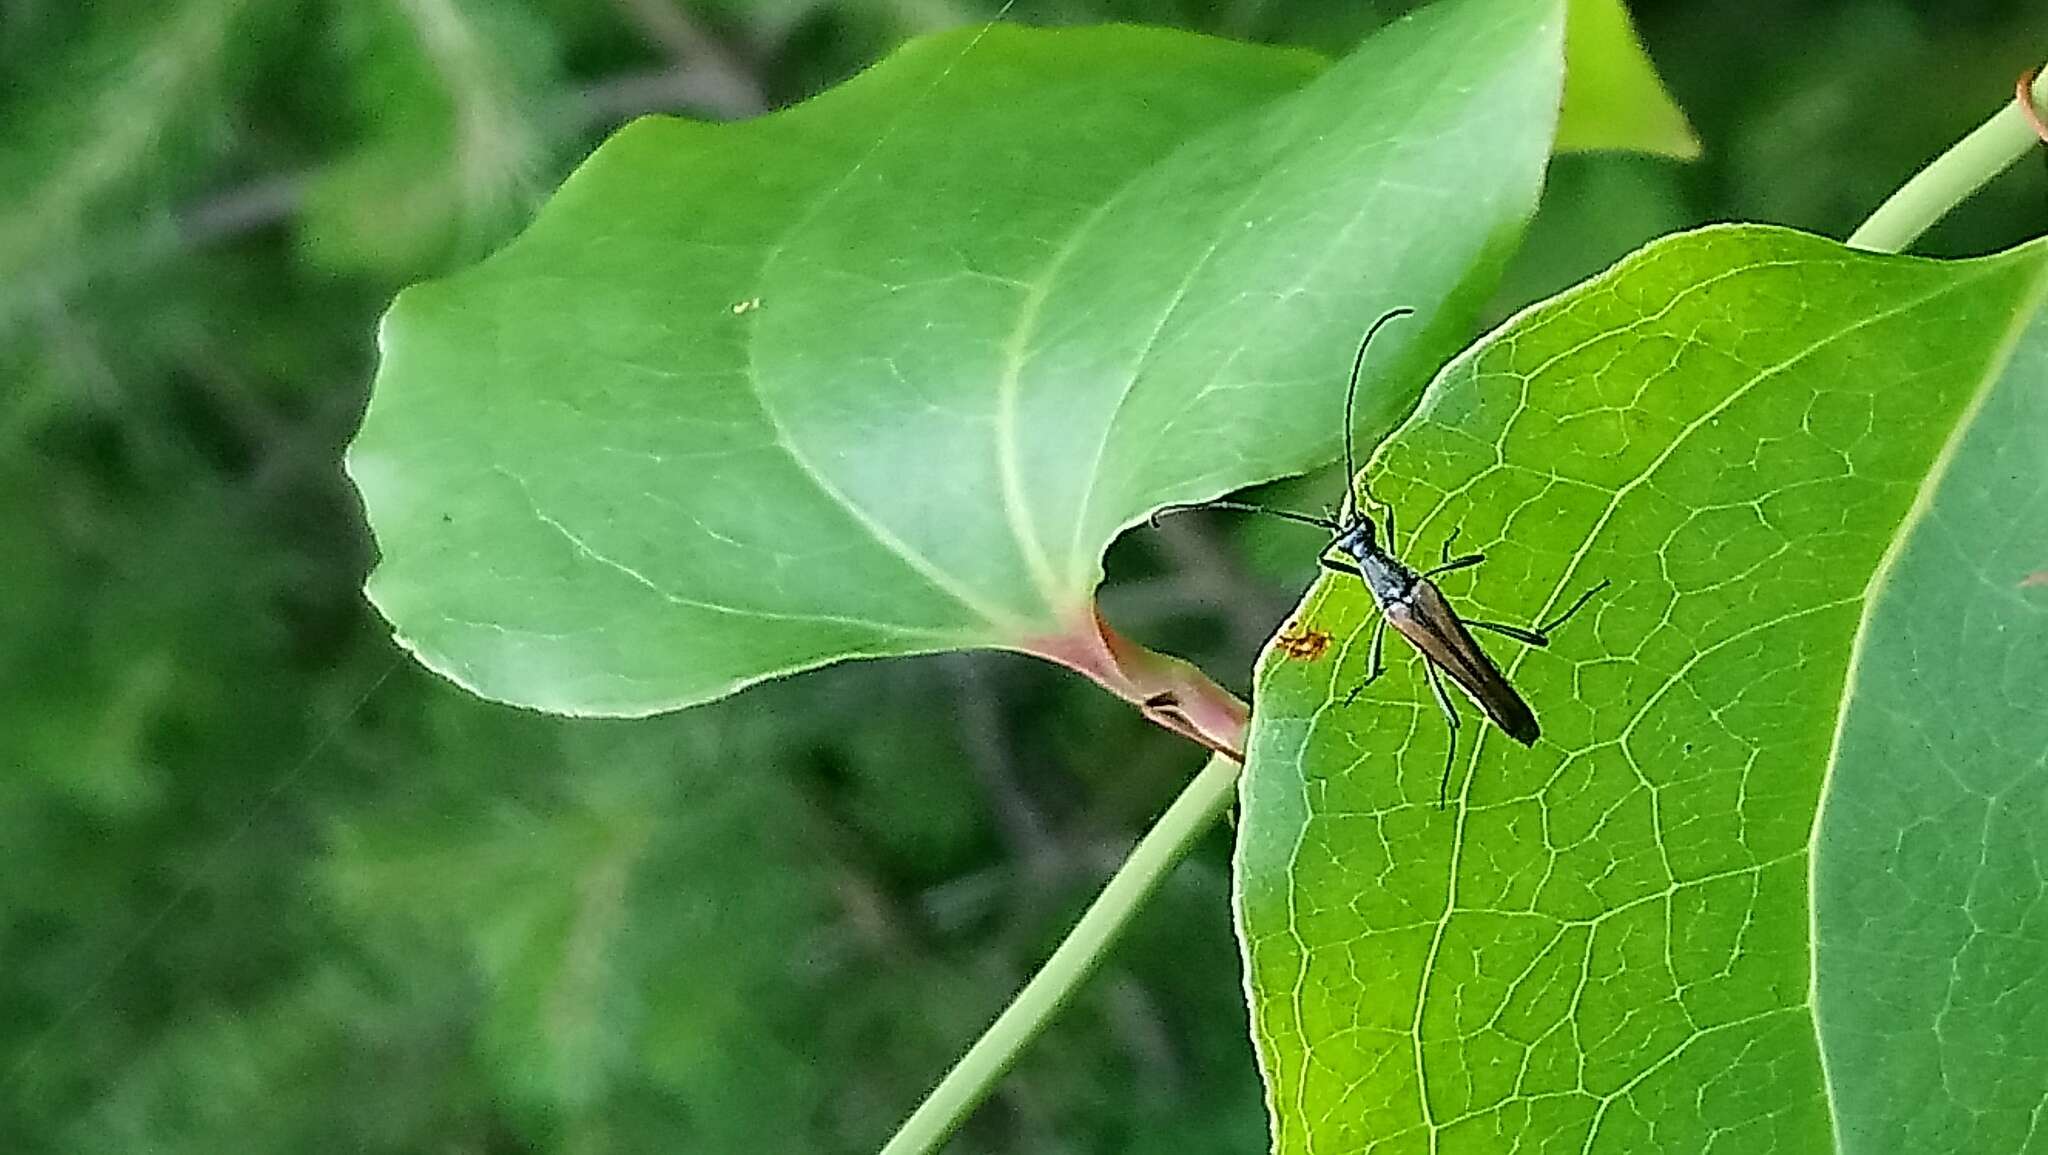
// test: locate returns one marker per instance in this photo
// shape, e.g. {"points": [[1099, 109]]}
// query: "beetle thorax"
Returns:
{"points": [[1359, 537], [1383, 573]]}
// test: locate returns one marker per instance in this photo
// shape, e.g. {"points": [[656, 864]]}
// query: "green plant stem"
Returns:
{"points": [[1950, 178], [1077, 956]]}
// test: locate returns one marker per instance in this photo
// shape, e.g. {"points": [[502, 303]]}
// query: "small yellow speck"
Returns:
{"points": [[746, 306]]}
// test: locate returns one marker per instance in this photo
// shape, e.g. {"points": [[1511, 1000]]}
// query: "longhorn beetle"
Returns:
{"points": [[1410, 602]]}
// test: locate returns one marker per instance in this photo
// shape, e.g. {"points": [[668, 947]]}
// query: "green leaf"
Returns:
{"points": [[885, 373], [1613, 101], [1927, 883], [1602, 943]]}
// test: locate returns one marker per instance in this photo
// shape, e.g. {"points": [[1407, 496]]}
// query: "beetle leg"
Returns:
{"points": [[1443, 701], [1375, 661], [1546, 627], [1540, 635], [1456, 563]]}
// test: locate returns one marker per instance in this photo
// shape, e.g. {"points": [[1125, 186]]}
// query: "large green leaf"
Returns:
{"points": [[1603, 943], [1932, 962], [885, 373]]}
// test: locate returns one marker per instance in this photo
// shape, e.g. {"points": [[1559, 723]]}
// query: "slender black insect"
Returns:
{"points": [[1410, 601]]}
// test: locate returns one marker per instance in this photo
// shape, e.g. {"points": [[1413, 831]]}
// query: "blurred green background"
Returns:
{"points": [[269, 887]]}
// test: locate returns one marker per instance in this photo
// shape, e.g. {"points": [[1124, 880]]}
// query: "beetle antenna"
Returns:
{"points": [[1351, 402], [1243, 507]]}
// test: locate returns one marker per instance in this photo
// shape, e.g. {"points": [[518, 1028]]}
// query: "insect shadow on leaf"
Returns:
{"points": [[1410, 601]]}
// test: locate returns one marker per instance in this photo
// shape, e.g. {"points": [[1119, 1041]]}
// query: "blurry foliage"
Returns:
{"points": [[267, 887], [447, 148]]}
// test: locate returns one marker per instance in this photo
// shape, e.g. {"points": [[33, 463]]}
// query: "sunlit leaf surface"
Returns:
{"points": [[1602, 943]]}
